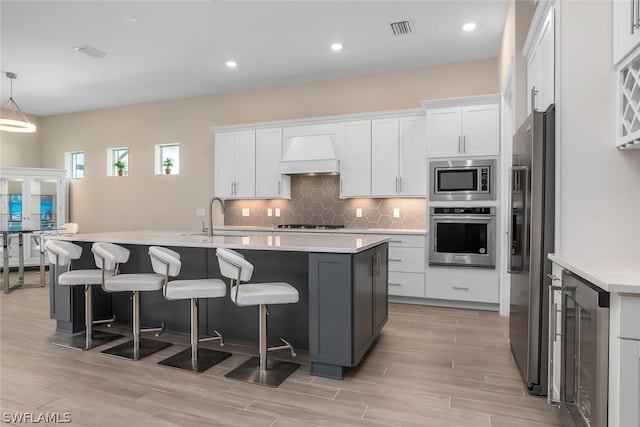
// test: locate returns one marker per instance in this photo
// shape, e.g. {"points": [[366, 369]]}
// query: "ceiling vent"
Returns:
{"points": [[91, 51], [401, 27]]}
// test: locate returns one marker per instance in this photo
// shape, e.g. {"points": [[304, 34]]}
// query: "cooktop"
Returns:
{"points": [[311, 226]]}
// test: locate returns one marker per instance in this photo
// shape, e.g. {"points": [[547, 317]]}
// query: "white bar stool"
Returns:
{"points": [[108, 257], [61, 254], [257, 370], [167, 262]]}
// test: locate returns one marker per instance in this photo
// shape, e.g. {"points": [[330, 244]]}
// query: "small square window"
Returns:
{"points": [[74, 163], [118, 162], [167, 159]]}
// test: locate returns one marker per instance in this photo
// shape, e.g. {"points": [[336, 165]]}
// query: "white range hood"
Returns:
{"points": [[309, 155]]}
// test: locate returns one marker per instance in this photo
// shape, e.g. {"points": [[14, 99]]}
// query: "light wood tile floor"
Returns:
{"points": [[430, 367]]}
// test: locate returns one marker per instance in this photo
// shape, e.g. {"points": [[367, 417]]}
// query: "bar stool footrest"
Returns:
{"points": [[206, 359], [147, 347], [79, 341], [277, 371]]}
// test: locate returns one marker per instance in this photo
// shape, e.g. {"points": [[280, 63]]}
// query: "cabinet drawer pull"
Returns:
{"points": [[395, 284], [460, 288], [395, 241], [395, 260]]}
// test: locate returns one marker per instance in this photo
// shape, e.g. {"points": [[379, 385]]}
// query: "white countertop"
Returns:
{"points": [[386, 231], [612, 275], [296, 242]]}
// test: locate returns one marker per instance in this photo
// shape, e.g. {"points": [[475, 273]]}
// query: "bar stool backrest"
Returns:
{"points": [[109, 255], [165, 261], [62, 253], [233, 265]]}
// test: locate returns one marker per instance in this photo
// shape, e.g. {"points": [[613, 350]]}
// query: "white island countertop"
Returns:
{"points": [[296, 242], [611, 275]]}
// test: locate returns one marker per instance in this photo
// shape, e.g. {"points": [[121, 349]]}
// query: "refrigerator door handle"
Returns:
{"points": [[519, 185]]}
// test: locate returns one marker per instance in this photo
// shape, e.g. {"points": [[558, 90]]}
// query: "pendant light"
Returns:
{"points": [[17, 121]]}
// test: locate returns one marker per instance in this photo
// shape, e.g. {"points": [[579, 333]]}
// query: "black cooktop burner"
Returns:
{"points": [[311, 226]]}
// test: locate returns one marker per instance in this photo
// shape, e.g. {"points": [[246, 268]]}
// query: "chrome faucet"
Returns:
{"points": [[210, 230]]}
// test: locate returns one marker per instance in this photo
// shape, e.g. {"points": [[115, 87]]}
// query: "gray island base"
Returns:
{"points": [[342, 281]]}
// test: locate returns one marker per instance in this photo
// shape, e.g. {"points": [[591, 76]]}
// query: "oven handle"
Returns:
{"points": [[461, 218], [525, 223]]}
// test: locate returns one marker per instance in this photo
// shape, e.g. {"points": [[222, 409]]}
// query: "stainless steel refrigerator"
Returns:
{"points": [[531, 231]]}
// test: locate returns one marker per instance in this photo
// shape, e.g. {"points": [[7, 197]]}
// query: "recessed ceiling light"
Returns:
{"points": [[130, 18], [469, 26], [231, 64], [336, 46]]}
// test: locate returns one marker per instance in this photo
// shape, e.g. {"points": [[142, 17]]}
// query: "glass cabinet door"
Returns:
{"points": [[11, 203]]}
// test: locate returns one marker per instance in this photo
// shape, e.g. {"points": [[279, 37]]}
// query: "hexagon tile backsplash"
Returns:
{"points": [[316, 200]]}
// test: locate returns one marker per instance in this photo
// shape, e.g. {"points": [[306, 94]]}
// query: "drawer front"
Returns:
{"points": [[409, 260], [629, 317], [465, 286], [410, 241], [406, 284]]}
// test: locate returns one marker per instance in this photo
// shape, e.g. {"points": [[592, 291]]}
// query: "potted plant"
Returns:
{"points": [[168, 163], [121, 166]]}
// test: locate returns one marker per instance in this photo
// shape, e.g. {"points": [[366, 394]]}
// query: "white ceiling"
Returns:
{"points": [[178, 49]]}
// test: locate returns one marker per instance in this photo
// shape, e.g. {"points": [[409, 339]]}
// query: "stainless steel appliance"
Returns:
{"points": [[584, 358], [462, 180], [463, 236], [531, 229]]}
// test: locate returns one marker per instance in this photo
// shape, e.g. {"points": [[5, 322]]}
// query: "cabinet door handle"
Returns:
{"points": [[279, 188], [632, 17], [459, 144], [464, 143], [460, 288], [395, 284], [396, 184]]}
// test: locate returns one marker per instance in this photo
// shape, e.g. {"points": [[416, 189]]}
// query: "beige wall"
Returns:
{"points": [[144, 200], [21, 149]]}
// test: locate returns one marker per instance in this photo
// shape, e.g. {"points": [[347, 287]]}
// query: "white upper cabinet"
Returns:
{"points": [[540, 52], [235, 164], [398, 158], [270, 183], [464, 128], [355, 162], [626, 28]]}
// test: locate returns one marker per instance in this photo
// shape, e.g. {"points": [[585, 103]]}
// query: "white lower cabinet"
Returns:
{"points": [[406, 265], [624, 363], [462, 284]]}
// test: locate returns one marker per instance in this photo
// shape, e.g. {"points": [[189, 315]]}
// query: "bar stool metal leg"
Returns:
{"points": [[138, 347], [197, 359], [90, 338], [261, 370]]}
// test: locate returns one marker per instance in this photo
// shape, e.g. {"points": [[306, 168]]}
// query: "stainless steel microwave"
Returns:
{"points": [[462, 180]]}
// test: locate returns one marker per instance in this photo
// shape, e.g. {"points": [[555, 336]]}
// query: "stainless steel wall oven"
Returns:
{"points": [[463, 236]]}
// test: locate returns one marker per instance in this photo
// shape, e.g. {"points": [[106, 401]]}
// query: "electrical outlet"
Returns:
{"points": [[245, 211], [277, 212], [396, 212], [269, 212], [358, 212], [200, 212]]}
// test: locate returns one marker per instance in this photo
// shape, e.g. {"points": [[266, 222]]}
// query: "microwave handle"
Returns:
{"points": [[516, 183]]}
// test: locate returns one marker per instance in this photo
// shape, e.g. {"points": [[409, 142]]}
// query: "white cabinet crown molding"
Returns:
{"points": [[321, 120], [465, 100]]}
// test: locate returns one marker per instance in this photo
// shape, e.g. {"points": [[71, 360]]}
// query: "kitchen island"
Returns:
{"points": [[342, 281]]}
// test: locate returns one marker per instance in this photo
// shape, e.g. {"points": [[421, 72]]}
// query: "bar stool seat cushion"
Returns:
{"points": [[195, 288], [265, 293], [82, 277], [134, 282]]}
